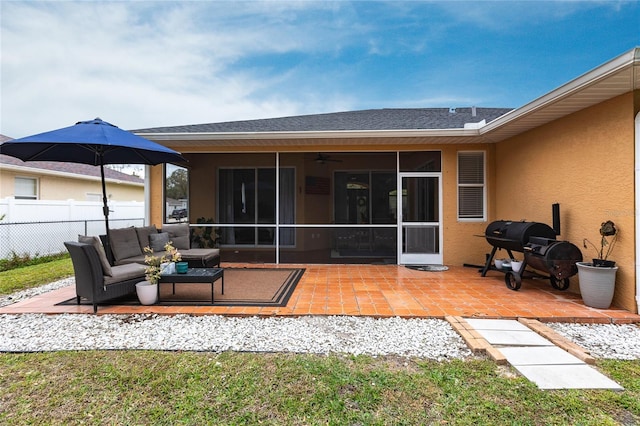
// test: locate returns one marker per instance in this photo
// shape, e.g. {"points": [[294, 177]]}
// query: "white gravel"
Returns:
{"points": [[428, 338], [604, 340], [422, 338]]}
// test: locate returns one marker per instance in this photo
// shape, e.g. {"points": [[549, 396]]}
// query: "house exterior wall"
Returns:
{"points": [[51, 187], [585, 162]]}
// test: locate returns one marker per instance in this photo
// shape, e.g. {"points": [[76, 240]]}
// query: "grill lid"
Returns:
{"points": [[515, 235]]}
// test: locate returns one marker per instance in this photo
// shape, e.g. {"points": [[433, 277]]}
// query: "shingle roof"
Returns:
{"points": [[372, 119], [73, 168]]}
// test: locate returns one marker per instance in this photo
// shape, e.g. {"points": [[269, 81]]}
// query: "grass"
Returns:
{"points": [[24, 277], [174, 388], [148, 387]]}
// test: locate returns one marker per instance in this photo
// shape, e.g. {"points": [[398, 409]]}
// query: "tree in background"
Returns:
{"points": [[177, 184]]}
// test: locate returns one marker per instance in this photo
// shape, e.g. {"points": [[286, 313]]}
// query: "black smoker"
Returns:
{"points": [[541, 250]]}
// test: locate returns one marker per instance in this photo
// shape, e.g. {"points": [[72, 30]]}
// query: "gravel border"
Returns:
{"points": [[612, 341], [421, 338]]}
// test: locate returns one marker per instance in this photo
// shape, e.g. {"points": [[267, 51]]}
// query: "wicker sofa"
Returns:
{"points": [[96, 280], [126, 245]]}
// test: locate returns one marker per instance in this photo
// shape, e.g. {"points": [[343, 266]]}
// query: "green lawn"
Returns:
{"points": [[148, 387], [30, 276], [195, 388]]}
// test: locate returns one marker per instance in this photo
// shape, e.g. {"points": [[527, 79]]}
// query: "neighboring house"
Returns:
{"points": [[48, 180], [331, 184]]}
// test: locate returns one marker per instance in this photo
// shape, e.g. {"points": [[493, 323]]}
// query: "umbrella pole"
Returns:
{"points": [[105, 206]]}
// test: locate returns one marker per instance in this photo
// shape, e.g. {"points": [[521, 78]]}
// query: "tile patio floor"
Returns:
{"points": [[382, 291]]}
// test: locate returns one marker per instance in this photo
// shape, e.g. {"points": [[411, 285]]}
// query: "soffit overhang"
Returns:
{"points": [[614, 78]]}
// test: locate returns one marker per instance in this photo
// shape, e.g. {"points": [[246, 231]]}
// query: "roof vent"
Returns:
{"points": [[473, 111], [452, 110]]}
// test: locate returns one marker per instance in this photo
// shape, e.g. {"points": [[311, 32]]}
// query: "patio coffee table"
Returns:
{"points": [[194, 276]]}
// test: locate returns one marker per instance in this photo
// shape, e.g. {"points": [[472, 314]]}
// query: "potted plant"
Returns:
{"points": [[597, 278], [608, 238], [148, 290], [205, 236]]}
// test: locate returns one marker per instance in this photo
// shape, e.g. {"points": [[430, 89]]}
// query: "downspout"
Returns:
{"points": [[147, 196], [637, 210]]}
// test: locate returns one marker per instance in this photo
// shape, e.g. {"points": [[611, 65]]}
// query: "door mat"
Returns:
{"points": [[242, 287], [428, 268]]}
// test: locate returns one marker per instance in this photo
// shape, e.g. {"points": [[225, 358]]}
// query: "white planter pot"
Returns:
{"points": [[597, 284], [147, 292]]}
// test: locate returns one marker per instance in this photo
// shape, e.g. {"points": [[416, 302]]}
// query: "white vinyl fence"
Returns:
{"points": [[40, 227]]}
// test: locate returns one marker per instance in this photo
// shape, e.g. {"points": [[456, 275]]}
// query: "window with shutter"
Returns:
{"points": [[471, 185]]}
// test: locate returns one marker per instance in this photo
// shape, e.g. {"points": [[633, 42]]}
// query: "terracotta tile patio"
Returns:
{"points": [[382, 291]]}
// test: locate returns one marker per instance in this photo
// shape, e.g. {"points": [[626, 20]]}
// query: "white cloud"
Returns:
{"points": [[142, 64]]}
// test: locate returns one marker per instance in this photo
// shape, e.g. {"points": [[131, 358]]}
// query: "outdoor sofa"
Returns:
{"points": [[126, 245], [96, 280]]}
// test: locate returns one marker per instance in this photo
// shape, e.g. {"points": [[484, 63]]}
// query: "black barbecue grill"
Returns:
{"points": [[541, 251]]}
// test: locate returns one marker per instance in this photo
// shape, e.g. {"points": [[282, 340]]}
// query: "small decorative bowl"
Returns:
{"points": [[181, 267]]}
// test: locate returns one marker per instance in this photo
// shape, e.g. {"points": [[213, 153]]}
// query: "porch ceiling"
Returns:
{"points": [[616, 77]]}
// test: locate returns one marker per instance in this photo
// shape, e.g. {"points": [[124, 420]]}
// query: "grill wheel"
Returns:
{"points": [[513, 280], [562, 284]]}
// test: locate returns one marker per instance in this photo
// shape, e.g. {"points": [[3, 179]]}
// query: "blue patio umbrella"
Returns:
{"points": [[93, 142]]}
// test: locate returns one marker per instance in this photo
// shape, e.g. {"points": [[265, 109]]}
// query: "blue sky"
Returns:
{"points": [[145, 64]]}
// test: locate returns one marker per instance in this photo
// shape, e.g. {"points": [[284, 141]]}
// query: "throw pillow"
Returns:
{"points": [[124, 243], [144, 232], [157, 241], [179, 235], [95, 242]]}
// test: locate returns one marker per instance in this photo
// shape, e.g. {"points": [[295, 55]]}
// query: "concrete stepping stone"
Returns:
{"points": [[496, 324], [539, 355], [567, 377], [514, 338]]}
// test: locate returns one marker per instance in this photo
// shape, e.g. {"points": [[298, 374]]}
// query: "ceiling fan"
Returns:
{"points": [[323, 158]]}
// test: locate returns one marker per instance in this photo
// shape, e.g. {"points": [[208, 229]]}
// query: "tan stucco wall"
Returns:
{"points": [[156, 195], [63, 188], [585, 162], [463, 240]]}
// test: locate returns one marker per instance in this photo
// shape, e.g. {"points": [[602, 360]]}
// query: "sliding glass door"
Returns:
{"points": [[247, 199]]}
